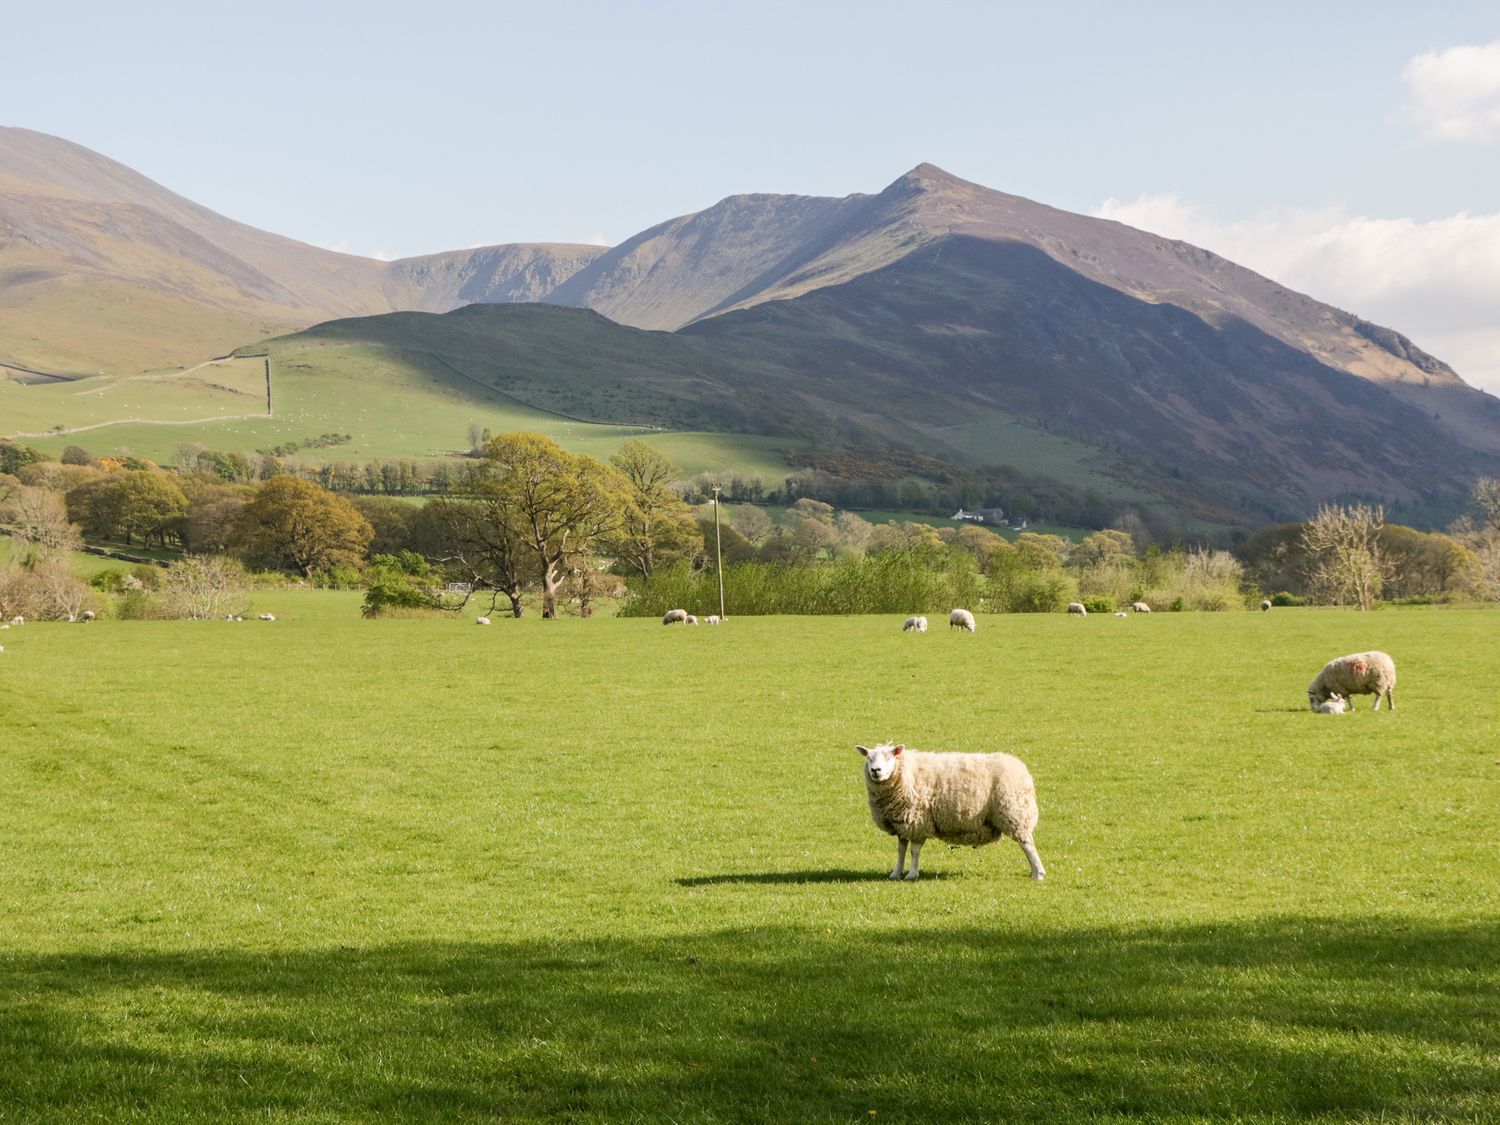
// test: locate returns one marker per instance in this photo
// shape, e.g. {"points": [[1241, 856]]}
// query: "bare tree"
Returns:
{"points": [[39, 519], [1345, 541], [1487, 496], [203, 587]]}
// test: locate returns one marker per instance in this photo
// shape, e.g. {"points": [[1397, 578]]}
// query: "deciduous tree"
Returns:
{"points": [[292, 524]]}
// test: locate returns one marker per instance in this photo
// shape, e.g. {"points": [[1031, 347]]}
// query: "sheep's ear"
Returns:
{"points": [[863, 751], [897, 749]]}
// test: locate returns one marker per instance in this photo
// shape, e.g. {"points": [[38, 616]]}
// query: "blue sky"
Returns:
{"points": [[1308, 140]]}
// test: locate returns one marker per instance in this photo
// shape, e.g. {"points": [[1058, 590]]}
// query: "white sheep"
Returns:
{"points": [[1265, 605], [690, 620], [959, 798], [916, 625], [272, 617], [481, 620], [88, 615], [1335, 704], [1359, 673], [1121, 613], [711, 619], [674, 617], [1078, 608], [18, 620], [1140, 607], [961, 618]]}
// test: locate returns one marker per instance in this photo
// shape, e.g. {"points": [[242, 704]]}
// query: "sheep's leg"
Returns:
{"points": [[1037, 870], [1390, 699], [916, 860], [900, 858]]}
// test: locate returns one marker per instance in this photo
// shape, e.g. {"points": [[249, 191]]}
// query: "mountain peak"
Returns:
{"points": [[927, 177]]}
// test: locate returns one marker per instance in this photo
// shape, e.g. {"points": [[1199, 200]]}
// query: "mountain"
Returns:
{"points": [[103, 269], [936, 317]]}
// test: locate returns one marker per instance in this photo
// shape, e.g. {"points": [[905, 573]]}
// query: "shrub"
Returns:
{"points": [[1099, 603], [202, 587]]}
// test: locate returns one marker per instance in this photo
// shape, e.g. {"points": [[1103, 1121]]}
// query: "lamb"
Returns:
{"points": [[481, 620], [1120, 613], [962, 618], [1078, 608], [959, 798], [1335, 704], [1139, 607], [18, 620], [711, 619], [272, 617], [917, 625], [690, 620], [674, 617], [1360, 673], [1265, 605]]}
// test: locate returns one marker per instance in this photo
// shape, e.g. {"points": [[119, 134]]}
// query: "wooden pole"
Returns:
{"points": [[718, 553], [268, 387]]}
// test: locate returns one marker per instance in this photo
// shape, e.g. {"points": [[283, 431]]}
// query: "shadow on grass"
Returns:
{"points": [[1274, 1018], [834, 875]]}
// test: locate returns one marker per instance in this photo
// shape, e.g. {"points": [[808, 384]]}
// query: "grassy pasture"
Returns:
{"points": [[331, 869]]}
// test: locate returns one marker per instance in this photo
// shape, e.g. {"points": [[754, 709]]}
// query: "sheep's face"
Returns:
{"points": [[881, 761]]}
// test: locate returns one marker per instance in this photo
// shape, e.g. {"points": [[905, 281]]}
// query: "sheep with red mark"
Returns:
{"points": [[1359, 673]]}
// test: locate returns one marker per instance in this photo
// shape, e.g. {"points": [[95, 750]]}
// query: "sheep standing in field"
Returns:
{"points": [[1360, 673], [959, 798], [674, 617], [1335, 704], [18, 620], [1078, 608], [915, 625], [1140, 607], [961, 618], [690, 620], [481, 620], [711, 619], [1265, 605], [88, 615]]}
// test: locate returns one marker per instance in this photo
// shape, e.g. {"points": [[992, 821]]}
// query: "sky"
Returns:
{"points": [[1349, 150]]}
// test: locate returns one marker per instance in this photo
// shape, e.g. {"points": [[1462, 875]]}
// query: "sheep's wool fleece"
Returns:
{"points": [[1359, 673], [958, 798]]}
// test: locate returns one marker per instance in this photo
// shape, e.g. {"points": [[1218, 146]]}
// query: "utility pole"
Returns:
{"points": [[718, 553], [268, 386]]}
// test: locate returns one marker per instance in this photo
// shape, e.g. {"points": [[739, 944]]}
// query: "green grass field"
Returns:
{"points": [[333, 869]]}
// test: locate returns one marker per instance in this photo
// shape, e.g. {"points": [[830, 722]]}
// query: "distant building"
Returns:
{"points": [[981, 515]]}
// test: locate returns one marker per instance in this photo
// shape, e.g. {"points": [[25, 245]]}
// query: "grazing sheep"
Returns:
{"points": [[88, 615], [916, 625], [18, 620], [961, 618], [1360, 673], [1078, 608], [1335, 704], [711, 619], [674, 617], [959, 798], [272, 617], [1265, 605], [690, 620], [481, 620], [1140, 607]]}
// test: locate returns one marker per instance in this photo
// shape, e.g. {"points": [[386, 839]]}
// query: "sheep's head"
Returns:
{"points": [[881, 762]]}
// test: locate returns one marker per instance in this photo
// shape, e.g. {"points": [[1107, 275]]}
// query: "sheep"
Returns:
{"points": [[917, 625], [711, 619], [1139, 607], [1078, 608], [272, 617], [690, 620], [961, 618], [1360, 673], [1335, 704], [959, 798], [1265, 605], [481, 620], [1120, 613], [88, 615], [18, 620], [674, 617]]}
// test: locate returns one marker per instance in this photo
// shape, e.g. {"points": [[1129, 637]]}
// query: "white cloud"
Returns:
{"points": [[1437, 281], [1455, 94]]}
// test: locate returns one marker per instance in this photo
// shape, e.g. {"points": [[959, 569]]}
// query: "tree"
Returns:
{"points": [[204, 587], [477, 539], [656, 526], [752, 523], [39, 518], [1487, 496], [124, 505], [562, 503], [76, 455], [1346, 544], [292, 524]]}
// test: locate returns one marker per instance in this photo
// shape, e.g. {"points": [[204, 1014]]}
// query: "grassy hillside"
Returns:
{"points": [[363, 889]]}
